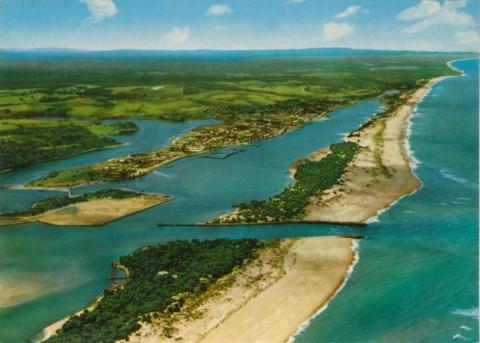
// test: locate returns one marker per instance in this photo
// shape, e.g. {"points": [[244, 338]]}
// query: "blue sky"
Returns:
{"points": [[240, 24]]}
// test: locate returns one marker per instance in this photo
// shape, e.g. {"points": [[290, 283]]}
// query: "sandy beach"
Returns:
{"points": [[50, 330], [379, 175], [282, 289], [93, 212]]}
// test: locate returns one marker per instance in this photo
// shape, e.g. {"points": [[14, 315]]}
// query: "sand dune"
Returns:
{"points": [[379, 175]]}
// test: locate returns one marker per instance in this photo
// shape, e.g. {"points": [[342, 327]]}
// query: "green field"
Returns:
{"points": [[256, 98], [198, 89]]}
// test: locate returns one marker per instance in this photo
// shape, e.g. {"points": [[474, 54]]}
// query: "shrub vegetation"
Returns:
{"points": [[160, 278]]}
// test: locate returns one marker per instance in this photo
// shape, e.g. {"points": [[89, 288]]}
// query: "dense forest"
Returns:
{"points": [[27, 143], [160, 278]]}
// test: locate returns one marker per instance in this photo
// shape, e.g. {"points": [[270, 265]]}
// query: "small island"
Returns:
{"points": [[89, 209]]}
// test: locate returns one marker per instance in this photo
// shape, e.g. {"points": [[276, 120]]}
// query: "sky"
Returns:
{"points": [[434, 25]]}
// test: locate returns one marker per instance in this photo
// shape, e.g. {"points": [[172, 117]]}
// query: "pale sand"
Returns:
{"points": [[369, 185], [318, 268], [16, 292], [22, 287], [52, 329], [268, 305], [92, 212]]}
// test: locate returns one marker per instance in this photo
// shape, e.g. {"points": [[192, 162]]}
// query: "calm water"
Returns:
{"points": [[72, 265], [416, 279], [418, 272], [151, 136]]}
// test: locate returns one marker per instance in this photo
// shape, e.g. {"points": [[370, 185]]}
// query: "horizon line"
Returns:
{"points": [[228, 50]]}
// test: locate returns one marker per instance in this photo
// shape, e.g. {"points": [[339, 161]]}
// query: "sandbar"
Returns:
{"points": [[93, 212]]}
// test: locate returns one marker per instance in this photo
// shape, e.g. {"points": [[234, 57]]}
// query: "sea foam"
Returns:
{"points": [[448, 175], [472, 312], [414, 162]]}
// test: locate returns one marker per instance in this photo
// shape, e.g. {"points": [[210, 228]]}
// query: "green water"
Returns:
{"points": [[416, 279]]}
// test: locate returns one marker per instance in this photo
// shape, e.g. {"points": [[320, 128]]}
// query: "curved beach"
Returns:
{"points": [[282, 295], [319, 266], [379, 175]]}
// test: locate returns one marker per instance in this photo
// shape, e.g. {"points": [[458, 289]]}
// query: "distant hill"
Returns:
{"points": [[42, 54]]}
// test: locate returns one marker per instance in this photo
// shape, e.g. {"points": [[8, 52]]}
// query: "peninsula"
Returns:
{"points": [[89, 209], [250, 106], [350, 182], [284, 282]]}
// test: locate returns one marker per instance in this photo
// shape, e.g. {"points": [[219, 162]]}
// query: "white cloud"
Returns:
{"points": [[429, 13], [219, 10], [469, 39], [294, 1], [333, 30], [424, 9], [100, 9], [178, 35], [351, 10]]}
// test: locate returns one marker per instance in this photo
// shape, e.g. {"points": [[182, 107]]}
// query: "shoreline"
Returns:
{"points": [[306, 323], [94, 212], [413, 162], [51, 329], [379, 175], [290, 222], [282, 320], [265, 301], [385, 162]]}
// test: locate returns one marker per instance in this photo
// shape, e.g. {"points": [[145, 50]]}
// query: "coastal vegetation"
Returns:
{"points": [[312, 178], [89, 209], [254, 98], [273, 121], [197, 88], [28, 141], [59, 201], [160, 278]]}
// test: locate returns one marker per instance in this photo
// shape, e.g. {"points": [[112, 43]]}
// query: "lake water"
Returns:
{"points": [[417, 274]]}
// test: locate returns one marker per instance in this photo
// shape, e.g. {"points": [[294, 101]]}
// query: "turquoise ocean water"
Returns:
{"points": [[416, 279]]}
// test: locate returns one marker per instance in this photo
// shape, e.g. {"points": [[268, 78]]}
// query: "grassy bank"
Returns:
{"points": [[161, 278]]}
